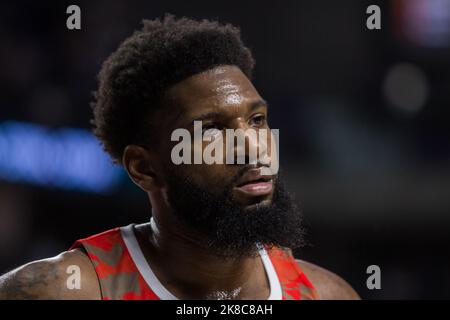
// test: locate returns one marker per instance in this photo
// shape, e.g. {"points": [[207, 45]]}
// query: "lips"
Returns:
{"points": [[252, 183]]}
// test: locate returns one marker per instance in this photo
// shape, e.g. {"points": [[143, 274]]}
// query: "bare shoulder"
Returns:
{"points": [[329, 286], [49, 278]]}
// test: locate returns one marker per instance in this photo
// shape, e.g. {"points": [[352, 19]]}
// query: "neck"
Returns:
{"points": [[188, 267]]}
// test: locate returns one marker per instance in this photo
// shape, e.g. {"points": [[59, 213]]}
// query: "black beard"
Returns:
{"points": [[231, 229]]}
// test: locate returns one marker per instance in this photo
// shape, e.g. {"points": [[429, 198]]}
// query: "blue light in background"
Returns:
{"points": [[66, 158]]}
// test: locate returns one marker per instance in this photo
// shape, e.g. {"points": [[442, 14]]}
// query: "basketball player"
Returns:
{"points": [[217, 231]]}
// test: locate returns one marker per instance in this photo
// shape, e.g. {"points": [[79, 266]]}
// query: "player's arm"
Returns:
{"points": [[329, 286], [48, 279]]}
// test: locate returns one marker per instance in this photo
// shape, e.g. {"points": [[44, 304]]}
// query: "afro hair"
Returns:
{"points": [[133, 79]]}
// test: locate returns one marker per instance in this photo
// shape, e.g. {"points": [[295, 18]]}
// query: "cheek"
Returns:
{"points": [[215, 178], [211, 174]]}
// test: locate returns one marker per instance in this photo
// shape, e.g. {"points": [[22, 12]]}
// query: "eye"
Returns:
{"points": [[258, 120]]}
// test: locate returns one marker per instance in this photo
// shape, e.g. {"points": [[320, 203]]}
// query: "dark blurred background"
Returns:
{"points": [[363, 118]]}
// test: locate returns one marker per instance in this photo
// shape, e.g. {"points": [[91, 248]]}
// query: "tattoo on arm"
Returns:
{"points": [[39, 280]]}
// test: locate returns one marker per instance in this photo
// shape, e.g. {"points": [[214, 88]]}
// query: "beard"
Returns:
{"points": [[231, 229]]}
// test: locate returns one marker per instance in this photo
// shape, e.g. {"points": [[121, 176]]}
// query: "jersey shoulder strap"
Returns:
{"points": [[118, 275], [294, 283]]}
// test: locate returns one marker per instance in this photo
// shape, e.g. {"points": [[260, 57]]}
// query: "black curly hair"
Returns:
{"points": [[134, 77]]}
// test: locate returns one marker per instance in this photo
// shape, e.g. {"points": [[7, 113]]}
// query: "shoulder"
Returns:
{"points": [[51, 279], [329, 286]]}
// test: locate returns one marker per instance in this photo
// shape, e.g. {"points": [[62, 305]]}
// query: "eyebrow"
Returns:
{"points": [[258, 103], [216, 114]]}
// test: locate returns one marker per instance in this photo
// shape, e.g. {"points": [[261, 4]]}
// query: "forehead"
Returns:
{"points": [[224, 87]]}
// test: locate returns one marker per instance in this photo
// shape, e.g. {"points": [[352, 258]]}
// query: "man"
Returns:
{"points": [[218, 231]]}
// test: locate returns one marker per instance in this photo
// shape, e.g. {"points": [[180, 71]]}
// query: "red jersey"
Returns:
{"points": [[124, 274]]}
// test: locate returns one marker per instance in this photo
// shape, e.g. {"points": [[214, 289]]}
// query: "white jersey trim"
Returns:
{"points": [[156, 286]]}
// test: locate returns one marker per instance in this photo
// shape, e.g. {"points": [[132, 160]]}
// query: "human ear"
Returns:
{"points": [[137, 162]]}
